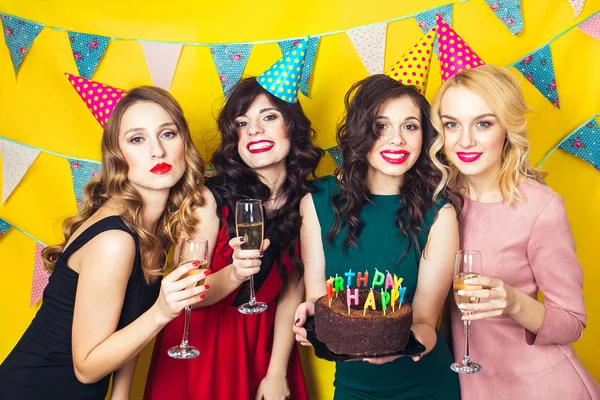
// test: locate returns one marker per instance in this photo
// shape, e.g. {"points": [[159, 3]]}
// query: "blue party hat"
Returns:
{"points": [[282, 80]]}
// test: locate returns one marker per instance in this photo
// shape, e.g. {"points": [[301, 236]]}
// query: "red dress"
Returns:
{"points": [[235, 349]]}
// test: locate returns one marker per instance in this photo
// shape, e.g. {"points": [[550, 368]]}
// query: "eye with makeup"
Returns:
{"points": [[270, 117], [169, 134], [450, 125], [240, 124], [136, 140], [411, 127], [483, 124]]}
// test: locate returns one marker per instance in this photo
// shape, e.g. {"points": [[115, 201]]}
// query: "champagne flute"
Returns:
{"points": [[249, 224], [190, 250], [467, 265]]}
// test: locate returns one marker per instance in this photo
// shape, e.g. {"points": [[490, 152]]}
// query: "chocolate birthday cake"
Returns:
{"points": [[359, 330]]}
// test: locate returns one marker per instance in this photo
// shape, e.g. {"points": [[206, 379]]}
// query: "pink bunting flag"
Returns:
{"points": [[591, 26], [40, 276]]}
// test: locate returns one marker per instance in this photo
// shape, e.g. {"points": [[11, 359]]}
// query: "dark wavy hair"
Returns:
{"points": [[234, 180], [356, 136]]}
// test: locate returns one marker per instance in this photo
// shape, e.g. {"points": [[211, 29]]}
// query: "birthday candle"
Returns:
{"points": [[385, 299], [378, 278], [329, 292], [402, 291], [348, 298], [389, 281], [362, 279], [338, 285], [352, 298], [395, 296], [349, 276], [397, 281], [370, 302]]}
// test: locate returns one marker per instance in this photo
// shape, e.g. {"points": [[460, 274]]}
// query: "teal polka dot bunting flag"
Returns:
{"points": [[585, 143], [538, 69], [336, 154], [426, 21], [311, 51], [283, 78], [87, 51], [509, 12], [230, 61], [82, 172], [19, 36], [4, 226]]}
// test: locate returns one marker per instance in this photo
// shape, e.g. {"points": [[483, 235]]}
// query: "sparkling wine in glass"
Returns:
{"points": [[249, 224], [190, 250], [467, 265]]}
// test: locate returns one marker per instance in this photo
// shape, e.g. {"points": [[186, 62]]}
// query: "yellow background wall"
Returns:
{"points": [[40, 108]]}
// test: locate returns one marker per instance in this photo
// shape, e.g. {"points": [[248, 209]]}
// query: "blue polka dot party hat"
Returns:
{"points": [[282, 80]]}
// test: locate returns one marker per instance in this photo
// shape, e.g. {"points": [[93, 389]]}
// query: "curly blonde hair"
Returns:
{"points": [[500, 89], [177, 218]]}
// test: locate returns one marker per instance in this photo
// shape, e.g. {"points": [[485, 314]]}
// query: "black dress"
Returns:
{"points": [[41, 364]]}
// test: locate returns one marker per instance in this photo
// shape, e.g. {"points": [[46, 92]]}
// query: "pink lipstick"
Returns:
{"points": [[395, 156], [468, 157], [161, 169]]}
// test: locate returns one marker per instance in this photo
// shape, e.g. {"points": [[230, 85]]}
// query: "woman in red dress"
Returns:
{"points": [[266, 153]]}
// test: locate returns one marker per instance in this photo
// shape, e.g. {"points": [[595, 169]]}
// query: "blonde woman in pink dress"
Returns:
{"points": [[521, 228]]}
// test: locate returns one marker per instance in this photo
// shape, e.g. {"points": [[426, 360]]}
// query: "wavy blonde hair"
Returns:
{"points": [[177, 218], [500, 89]]}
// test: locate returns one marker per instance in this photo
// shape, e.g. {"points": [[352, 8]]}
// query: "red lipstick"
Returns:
{"points": [[395, 156], [161, 169], [468, 157], [260, 146]]}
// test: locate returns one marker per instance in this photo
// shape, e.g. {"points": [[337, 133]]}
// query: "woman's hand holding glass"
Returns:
{"points": [[498, 299], [246, 263]]}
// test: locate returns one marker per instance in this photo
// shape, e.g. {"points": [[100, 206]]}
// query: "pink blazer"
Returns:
{"points": [[530, 247]]}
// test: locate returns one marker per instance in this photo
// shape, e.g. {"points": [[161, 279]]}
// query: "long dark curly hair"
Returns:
{"points": [[234, 180], [356, 135]]}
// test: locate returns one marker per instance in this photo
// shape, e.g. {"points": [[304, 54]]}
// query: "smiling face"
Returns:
{"points": [[263, 142], [152, 146], [474, 138], [398, 146]]}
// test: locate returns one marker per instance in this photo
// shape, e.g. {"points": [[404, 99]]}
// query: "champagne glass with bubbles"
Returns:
{"points": [[467, 265], [193, 250], [249, 225]]}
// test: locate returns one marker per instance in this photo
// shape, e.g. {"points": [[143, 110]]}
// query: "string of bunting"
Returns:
{"points": [[40, 275]]}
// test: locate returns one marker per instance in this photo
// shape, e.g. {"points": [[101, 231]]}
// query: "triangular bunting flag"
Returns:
{"points": [[101, 99], [40, 276], [19, 36], [336, 154], [230, 61], [87, 50], [4, 226], [509, 12], [81, 173], [585, 143], [591, 26], [538, 69], [309, 59], [369, 43], [413, 67], [577, 6], [282, 79], [426, 21], [16, 160], [161, 59]]}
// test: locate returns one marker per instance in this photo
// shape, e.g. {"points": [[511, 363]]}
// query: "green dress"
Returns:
{"points": [[380, 246]]}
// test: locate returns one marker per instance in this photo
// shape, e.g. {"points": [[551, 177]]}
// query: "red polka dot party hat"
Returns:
{"points": [[455, 54], [282, 79], [101, 99], [413, 68]]}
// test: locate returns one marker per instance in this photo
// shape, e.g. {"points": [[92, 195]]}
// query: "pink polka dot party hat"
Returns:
{"points": [[101, 99], [455, 54], [413, 68]]}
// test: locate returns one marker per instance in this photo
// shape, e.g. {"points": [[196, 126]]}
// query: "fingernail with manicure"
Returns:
{"points": [[196, 263], [242, 239], [207, 272], [461, 292], [202, 297], [206, 286], [296, 321], [462, 306], [262, 253]]}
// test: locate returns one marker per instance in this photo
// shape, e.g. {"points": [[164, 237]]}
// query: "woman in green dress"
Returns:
{"points": [[385, 209]]}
